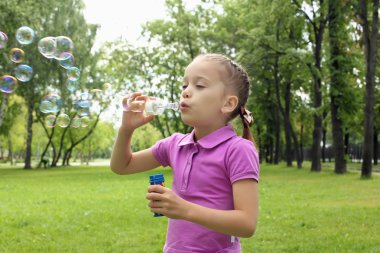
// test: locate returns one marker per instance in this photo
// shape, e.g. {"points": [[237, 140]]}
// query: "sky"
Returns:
{"points": [[123, 18]]}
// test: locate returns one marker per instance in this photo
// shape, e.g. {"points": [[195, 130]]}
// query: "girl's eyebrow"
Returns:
{"points": [[185, 78]]}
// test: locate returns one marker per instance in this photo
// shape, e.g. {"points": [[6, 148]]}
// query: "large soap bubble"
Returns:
{"points": [[47, 47], [68, 62], [25, 35], [23, 73], [8, 84], [76, 122], [63, 44], [51, 103]]}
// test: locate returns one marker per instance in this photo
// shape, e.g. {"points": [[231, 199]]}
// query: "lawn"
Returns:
{"points": [[90, 209]]}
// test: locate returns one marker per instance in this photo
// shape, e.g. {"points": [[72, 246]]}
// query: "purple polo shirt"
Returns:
{"points": [[203, 173]]}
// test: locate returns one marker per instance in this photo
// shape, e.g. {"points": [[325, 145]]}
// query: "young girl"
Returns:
{"points": [[214, 199]]}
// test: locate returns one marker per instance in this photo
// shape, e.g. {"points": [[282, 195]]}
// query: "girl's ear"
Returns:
{"points": [[230, 104]]}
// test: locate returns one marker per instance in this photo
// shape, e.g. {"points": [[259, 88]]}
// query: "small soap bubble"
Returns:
{"points": [[76, 122], [25, 35], [73, 73], [51, 103], [85, 121], [83, 111], [63, 44], [23, 73], [84, 103], [85, 96], [63, 120], [8, 84], [50, 121], [47, 47], [72, 85], [3, 40], [68, 62], [46, 106], [16, 55]]}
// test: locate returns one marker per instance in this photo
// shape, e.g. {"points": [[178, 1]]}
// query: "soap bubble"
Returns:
{"points": [[25, 35], [46, 106], [16, 55], [84, 103], [63, 120], [51, 103], [23, 73], [47, 47], [8, 84], [83, 111], [3, 40], [72, 85], [63, 44], [50, 121], [73, 73], [76, 122], [85, 121], [68, 62]]}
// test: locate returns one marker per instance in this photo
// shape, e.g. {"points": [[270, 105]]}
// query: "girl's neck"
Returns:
{"points": [[200, 132]]}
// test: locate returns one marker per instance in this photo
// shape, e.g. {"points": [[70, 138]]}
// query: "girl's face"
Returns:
{"points": [[203, 94]]}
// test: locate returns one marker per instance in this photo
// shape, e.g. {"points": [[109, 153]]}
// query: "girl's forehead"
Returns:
{"points": [[204, 67]]}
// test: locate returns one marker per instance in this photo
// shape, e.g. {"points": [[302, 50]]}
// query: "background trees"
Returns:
{"points": [[305, 60]]}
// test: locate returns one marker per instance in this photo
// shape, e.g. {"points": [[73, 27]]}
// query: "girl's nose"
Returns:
{"points": [[186, 93]]}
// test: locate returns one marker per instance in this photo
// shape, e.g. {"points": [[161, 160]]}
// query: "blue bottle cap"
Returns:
{"points": [[156, 179]]}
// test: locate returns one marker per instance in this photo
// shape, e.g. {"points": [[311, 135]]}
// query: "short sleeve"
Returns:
{"points": [[243, 161], [161, 150]]}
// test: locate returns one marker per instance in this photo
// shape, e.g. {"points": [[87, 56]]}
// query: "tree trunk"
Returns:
{"points": [[375, 145], [50, 141], [3, 107], [370, 37], [277, 130], [336, 24], [74, 144], [28, 154], [324, 133], [10, 150]]}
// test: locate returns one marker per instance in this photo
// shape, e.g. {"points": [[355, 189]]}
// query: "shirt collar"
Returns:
{"points": [[211, 140]]}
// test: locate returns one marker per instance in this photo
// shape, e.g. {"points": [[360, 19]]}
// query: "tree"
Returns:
{"points": [[370, 38], [317, 23]]}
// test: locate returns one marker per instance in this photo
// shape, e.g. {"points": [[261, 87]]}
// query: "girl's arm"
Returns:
{"points": [[240, 222], [123, 161]]}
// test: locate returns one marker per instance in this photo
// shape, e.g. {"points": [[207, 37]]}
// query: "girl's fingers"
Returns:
{"points": [[156, 188], [153, 196]]}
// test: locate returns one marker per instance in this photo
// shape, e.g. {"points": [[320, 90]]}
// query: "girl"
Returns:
{"points": [[214, 199]]}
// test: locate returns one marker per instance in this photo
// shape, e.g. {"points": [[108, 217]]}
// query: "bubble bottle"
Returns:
{"points": [[160, 180], [153, 106]]}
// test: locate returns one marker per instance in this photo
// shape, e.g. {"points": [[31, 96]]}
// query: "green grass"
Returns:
{"points": [[90, 209]]}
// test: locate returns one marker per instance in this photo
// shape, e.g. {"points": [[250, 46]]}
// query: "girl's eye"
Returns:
{"points": [[200, 86], [184, 87]]}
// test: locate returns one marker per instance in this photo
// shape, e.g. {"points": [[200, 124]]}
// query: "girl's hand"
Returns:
{"points": [[133, 114], [164, 201]]}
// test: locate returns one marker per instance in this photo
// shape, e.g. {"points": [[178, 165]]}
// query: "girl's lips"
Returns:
{"points": [[183, 106]]}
